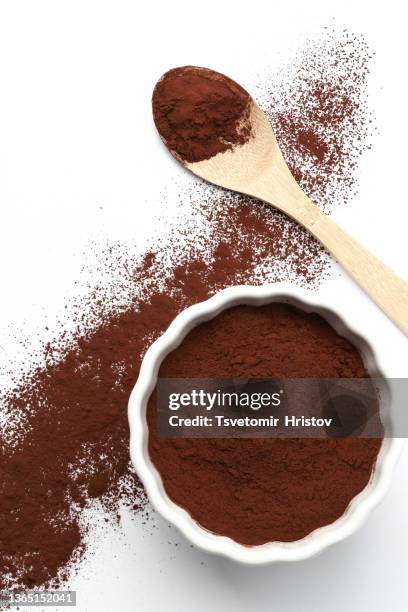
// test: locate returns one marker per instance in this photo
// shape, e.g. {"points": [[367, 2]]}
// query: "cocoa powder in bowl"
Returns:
{"points": [[261, 490]]}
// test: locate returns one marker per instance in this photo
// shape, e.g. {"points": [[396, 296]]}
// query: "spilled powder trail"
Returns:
{"points": [[320, 113], [76, 446]]}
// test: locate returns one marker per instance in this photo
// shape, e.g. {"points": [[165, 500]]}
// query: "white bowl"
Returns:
{"points": [[321, 538]]}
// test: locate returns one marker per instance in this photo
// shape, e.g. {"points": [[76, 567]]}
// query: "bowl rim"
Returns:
{"points": [[318, 540]]}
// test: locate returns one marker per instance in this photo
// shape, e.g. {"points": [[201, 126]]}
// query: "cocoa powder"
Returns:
{"points": [[73, 447], [200, 112], [320, 113], [262, 490]]}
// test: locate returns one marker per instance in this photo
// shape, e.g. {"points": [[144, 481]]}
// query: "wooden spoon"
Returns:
{"points": [[257, 168]]}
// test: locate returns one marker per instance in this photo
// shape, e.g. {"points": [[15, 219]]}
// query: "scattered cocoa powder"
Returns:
{"points": [[319, 109], [261, 490], [66, 429]]}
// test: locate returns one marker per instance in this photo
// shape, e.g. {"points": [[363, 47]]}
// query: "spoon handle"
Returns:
{"points": [[384, 287]]}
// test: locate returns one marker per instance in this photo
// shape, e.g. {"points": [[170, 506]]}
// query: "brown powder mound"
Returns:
{"points": [[199, 113], [68, 431], [263, 490]]}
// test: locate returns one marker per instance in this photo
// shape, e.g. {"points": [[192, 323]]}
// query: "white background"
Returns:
{"points": [[80, 161]]}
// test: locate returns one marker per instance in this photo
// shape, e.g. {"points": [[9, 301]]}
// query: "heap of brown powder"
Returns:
{"points": [[199, 113], [258, 490]]}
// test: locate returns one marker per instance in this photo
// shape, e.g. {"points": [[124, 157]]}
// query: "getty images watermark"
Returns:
{"points": [[37, 598], [284, 408]]}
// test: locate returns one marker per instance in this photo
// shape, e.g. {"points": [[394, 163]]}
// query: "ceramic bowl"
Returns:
{"points": [[359, 508]]}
